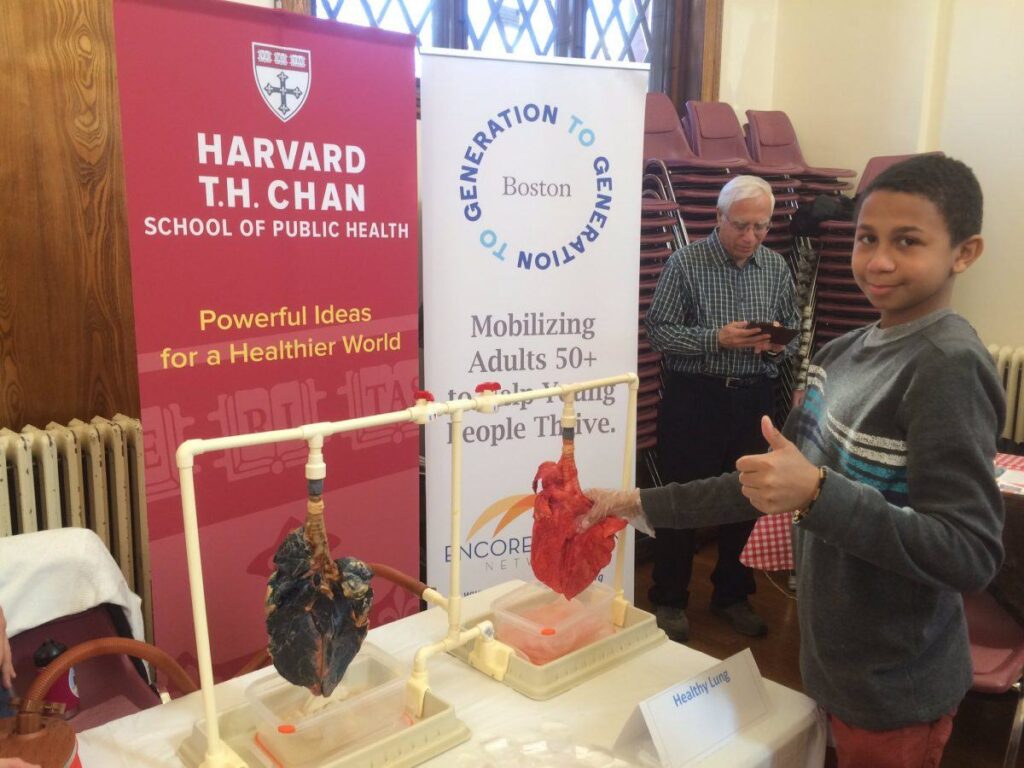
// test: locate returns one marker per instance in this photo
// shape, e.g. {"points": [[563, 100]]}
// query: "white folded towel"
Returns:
{"points": [[60, 572]]}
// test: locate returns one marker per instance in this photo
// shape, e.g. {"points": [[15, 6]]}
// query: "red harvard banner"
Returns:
{"points": [[271, 187]]}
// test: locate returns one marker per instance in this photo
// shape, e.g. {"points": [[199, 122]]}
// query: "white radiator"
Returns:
{"points": [[1010, 364], [87, 475]]}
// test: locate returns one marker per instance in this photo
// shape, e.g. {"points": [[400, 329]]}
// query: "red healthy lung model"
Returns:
{"points": [[564, 559]]}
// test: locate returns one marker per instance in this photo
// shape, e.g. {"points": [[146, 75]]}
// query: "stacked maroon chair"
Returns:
{"points": [[715, 134], [772, 142], [997, 657], [661, 234], [693, 182], [839, 305], [659, 238], [680, 194]]}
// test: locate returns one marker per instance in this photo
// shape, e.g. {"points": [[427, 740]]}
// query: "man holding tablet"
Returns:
{"points": [[724, 315]]}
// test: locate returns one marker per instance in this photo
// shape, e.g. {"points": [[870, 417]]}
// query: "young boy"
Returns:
{"points": [[888, 464]]}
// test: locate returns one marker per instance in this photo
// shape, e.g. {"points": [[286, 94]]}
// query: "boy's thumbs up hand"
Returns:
{"points": [[775, 439], [779, 481]]}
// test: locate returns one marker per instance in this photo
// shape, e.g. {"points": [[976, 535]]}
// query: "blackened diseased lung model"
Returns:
{"points": [[317, 609]]}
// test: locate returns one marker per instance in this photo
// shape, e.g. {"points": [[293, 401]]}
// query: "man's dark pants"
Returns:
{"points": [[704, 426]]}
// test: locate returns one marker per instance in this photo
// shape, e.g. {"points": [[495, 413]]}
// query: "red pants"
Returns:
{"points": [[916, 746]]}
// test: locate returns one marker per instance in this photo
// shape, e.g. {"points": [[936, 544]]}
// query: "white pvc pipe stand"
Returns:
{"points": [[219, 754]]}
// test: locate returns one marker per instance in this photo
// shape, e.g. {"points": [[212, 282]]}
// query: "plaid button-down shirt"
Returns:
{"points": [[700, 290]]}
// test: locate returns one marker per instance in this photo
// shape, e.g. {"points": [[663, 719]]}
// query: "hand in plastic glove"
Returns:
{"points": [[6, 663], [16, 762], [779, 481], [615, 503]]}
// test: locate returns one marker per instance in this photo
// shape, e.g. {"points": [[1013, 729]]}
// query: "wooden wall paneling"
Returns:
{"points": [[679, 45], [711, 50], [66, 321], [297, 6], [13, 170], [697, 51]]}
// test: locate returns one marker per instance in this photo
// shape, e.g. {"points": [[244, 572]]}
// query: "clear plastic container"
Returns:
{"points": [[543, 626], [299, 729]]}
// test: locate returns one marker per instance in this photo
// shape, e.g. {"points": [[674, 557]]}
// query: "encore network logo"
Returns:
{"points": [[506, 509], [283, 77]]}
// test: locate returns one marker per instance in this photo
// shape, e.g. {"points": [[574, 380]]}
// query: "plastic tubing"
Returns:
{"points": [[397, 577], [29, 720]]}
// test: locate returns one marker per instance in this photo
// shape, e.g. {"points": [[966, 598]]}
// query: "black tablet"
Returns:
{"points": [[778, 334]]}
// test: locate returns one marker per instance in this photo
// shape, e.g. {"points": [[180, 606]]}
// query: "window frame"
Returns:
{"points": [[685, 50]]}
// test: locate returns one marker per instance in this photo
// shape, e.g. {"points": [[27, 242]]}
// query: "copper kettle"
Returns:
{"points": [[39, 734]]}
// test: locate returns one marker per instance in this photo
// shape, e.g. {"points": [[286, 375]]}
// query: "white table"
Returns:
{"points": [[791, 736]]}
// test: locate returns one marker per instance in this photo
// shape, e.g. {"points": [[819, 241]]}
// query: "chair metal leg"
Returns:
{"points": [[651, 462], [1018, 725]]}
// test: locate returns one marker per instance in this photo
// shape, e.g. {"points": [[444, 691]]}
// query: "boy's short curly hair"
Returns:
{"points": [[950, 184]]}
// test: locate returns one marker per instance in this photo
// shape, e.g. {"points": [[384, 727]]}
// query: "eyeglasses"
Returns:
{"points": [[759, 227]]}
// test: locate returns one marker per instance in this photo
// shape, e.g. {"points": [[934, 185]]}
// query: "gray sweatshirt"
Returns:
{"points": [[906, 420]]}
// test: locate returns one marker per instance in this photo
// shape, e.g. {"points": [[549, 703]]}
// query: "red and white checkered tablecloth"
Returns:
{"points": [[1009, 461], [770, 546]]}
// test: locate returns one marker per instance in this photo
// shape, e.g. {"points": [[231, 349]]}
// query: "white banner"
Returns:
{"points": [[531, 177]]}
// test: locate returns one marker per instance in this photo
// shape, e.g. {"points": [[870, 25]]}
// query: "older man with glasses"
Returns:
{"points": [[711, 301]]}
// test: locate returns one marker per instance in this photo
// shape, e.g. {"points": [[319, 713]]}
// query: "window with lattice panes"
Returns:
{"points": [[610, 30]]}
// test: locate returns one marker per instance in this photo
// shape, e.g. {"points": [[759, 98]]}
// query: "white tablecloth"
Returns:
{"points": [[791, 736]]}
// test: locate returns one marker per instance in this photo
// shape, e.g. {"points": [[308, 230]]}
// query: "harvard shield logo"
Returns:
{"points": [[283, 77]]}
